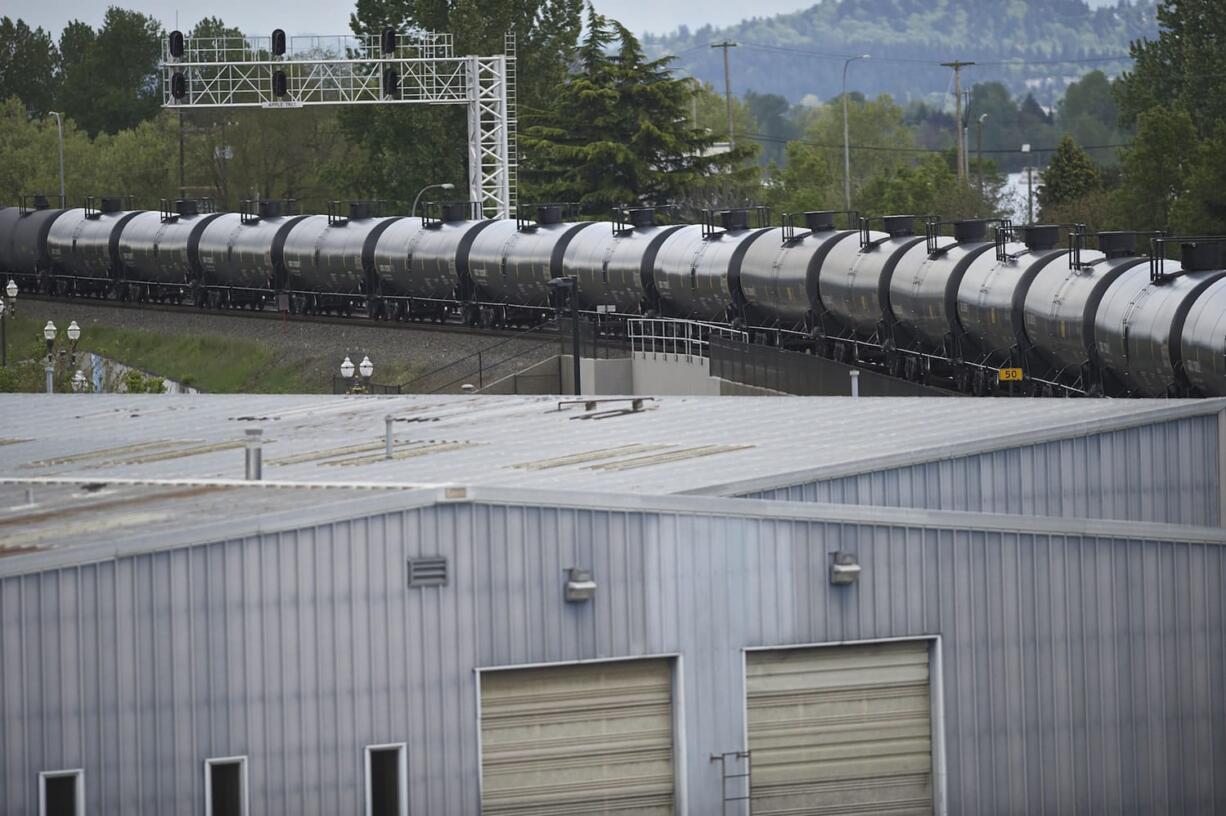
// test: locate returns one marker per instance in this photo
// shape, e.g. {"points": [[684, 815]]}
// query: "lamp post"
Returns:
{"points": [[1029, 186], [59, 126], [846, 140], [366, 368], [49, 332], [7, 310], [444, 186], [347, 373], [979, 150], [571, 285]]}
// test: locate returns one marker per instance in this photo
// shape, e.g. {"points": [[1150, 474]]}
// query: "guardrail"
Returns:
{"points": [[677, 338]]}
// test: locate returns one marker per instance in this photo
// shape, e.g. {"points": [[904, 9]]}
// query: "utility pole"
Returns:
{"points": [[958, 65], [182, 182], [726, 44], [979, 151], [966, 135]]}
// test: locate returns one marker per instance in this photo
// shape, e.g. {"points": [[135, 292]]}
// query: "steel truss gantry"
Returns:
{"points": [[225, 72]]}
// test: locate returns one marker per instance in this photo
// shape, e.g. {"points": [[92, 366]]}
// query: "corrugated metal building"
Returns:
{"points": [[545, 629]]}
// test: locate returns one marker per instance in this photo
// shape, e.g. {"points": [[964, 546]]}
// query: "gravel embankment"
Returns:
{"points": [[400, 351]]}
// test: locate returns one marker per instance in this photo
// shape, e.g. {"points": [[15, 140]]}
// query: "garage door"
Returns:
{"points": [[589, 739], [840, 729]]}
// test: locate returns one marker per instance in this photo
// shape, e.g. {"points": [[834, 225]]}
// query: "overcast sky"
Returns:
{"points": [[332, 16]]}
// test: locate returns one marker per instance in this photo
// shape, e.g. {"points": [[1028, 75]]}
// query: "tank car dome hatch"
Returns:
{"points": [[642, 217], [187, 207], [456, 211], [898, 226], [1117, 244], [819, 220], [967, 232], [614, 265], [1200, 256], [268, 208], [1039, 237], [360, 210], [111, 204], [733, 220], [547, 214]]}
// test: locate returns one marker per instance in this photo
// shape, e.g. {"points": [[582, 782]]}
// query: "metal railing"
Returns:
{"points": [[677, 338]]}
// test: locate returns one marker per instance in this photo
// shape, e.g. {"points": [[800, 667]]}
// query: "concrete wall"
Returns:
{"points": [[538, 378], [1082, 665], [1165, 472]]}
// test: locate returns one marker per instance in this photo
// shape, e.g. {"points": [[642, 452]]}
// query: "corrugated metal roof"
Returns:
{"points": [[714, 445]]}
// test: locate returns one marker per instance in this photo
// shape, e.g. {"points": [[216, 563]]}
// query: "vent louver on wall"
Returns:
{"points": [[428, 571]]}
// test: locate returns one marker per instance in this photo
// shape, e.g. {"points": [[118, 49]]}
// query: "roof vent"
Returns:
{"points": [[734, 219], [1117, 244], [187, 207], [358, 210], [427, 571], [268, 208], [1039, 237], [899, 226], [819, 221], [111, 204], [966, 232], [549, 214], [642, 217], [456, 211], [1201, 256]]}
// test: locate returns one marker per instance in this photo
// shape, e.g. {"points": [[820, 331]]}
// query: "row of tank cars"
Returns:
{"points": [[952, 304]]}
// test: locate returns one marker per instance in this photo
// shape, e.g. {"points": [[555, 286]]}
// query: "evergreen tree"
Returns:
{"points": [[618, 131], [1070, 175], [405, 147]]}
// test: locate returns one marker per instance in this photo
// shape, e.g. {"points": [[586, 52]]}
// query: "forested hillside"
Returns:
{"points": [[1036, 46]]}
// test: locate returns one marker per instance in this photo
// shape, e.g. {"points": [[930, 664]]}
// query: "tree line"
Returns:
{"points": [[603, 123]]}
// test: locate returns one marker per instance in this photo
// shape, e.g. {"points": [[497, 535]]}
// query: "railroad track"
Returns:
{"points": [[544, 330]]}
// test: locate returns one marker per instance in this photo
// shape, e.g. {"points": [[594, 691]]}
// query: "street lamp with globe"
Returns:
{"points": [[7, 310]]}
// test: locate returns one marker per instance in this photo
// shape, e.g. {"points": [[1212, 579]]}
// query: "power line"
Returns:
{"points": [[762, 137], [1018, 61]]}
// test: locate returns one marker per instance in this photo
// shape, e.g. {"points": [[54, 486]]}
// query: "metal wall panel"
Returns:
{"points": [[1166, 472], [1079, 673]]}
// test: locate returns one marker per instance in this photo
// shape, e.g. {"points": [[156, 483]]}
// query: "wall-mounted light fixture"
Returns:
{"points": [[579, 585], [844, 568]]}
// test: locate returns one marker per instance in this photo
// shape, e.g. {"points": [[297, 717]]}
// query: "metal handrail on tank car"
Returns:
{"points": [[677, 338]]}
